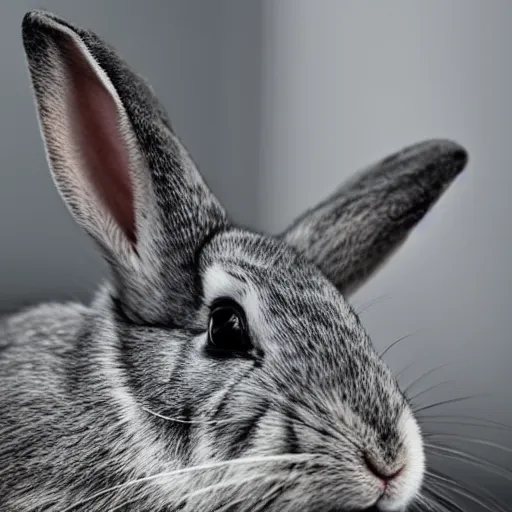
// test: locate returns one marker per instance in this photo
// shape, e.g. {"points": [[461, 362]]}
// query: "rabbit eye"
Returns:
{"points": [[228, 335]]}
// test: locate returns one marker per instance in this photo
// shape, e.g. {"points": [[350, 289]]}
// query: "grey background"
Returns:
{"points": [[279, 101]]}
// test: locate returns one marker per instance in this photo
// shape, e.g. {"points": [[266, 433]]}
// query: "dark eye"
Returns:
{"points": [[228, 335]]}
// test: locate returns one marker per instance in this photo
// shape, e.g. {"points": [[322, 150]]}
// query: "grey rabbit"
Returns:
{"points": [[219, 369]]}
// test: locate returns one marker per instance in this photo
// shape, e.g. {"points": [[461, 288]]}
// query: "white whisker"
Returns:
{"points": [[425, 501], [204, 467], [440, 494], [431, 388], [469, 439], [231, 483], [462, 456], [189, 422], [448, 484], [424, 375]]}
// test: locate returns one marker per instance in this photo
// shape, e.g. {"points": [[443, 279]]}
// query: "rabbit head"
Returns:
{"points": [[220, 348]]}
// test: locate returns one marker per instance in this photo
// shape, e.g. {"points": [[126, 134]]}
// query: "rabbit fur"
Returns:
{"points": [[120, 405]]}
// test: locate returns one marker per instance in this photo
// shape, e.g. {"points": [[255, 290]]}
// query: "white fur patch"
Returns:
{"points": [[218, 283], [407, 485]]}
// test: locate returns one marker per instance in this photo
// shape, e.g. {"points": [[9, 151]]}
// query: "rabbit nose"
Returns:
{"points": [[381, 473]]}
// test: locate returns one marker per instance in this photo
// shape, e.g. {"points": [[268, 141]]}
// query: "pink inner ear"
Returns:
{"points": [[104, 154]]}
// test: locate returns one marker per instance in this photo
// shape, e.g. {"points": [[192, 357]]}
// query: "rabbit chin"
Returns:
{"points": [[403, 490]]}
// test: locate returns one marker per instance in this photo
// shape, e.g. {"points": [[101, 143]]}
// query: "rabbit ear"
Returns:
{"points": [[353, 232], [119, 167]]}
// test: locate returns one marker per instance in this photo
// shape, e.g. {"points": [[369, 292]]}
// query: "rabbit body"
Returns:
{"points": [[219, 369]]}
